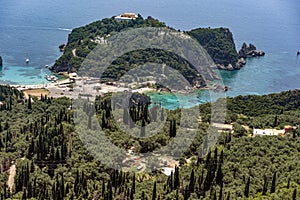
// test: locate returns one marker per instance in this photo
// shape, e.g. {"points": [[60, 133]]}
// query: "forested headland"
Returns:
{"points": [[218, 42], [38, 136]]}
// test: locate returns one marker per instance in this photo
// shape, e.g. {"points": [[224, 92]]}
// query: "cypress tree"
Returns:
{"points": [[133, 184], [154, 191], [219, 177], [221, 193], [275, 123], [273, 186], [131, 195], [143, 129], [192, 182], [29, 106], [186, 193], [265, 187], [174, 128], [247, 187], [176, 178], [295, 194], [143, 195], [24, 195], [221, 157], [171, 129]]}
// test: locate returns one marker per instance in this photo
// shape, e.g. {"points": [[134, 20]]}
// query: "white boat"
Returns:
{"points": [[51, 78], [27, 60]]}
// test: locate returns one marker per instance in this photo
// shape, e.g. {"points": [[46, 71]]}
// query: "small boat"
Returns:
{"points": [[51, 78], [27, 60]]}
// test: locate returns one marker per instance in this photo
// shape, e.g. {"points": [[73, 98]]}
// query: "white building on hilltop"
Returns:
{"points": [[126, 16]]}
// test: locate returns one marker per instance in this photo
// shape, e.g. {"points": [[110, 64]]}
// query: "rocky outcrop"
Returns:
{"points": [[1, 62], [249, 51]]}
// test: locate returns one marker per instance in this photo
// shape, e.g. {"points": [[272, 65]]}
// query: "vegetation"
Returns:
{"points": [[218, 43], [52, 162]]}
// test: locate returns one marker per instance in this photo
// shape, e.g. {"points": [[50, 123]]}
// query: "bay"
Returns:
{"points": [[33, 29]]}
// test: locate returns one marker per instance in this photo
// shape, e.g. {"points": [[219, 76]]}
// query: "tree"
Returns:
{"points": [[265, 187], [295, 194], [247, 187], [219, 176], [154, 191], [143, 129], [192, 182], [29, 105], [273, 186]]}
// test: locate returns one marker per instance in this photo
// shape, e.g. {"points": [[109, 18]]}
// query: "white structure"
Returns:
{"points": [[269, 132], [126, 16], [168, 171]]}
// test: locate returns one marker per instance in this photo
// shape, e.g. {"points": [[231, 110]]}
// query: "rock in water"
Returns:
{"points": [[1, 62], [249, 51]]}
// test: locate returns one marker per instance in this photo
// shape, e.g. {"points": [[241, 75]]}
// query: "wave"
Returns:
{"points": [[39, 28], [65, 29]]}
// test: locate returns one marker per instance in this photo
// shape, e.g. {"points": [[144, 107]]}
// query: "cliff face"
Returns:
{"points": [[220, 46]]}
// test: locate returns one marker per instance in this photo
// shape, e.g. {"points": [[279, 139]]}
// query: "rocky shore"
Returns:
{"points": [[245, 52], [250, 51]]}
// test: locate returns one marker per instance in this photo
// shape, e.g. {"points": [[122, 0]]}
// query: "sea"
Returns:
{"points": [[34, 29]]}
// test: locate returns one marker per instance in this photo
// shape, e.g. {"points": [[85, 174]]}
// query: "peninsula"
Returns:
{"points": [[218, 42]]}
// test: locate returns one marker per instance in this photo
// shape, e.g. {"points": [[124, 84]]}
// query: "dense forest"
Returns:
{"points": [[218, 43], [38, 136]]}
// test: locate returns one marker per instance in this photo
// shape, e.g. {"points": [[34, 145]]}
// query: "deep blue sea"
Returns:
{"points": [[33, 29]]}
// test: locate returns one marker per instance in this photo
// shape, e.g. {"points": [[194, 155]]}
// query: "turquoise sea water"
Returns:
{"points": [[33, 29]]}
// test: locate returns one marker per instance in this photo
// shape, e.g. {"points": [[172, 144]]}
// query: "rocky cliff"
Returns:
{"points": [[220, 46]]}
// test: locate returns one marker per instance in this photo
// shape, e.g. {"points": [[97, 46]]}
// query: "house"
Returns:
{"points": [[126, 16], [223, 127], [267, 132]]}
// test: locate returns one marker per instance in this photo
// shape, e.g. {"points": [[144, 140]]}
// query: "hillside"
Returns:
{"points": [[52, 163], [218, 43]]}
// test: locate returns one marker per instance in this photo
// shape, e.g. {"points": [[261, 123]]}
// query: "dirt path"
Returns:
{"points": [[11, 178], [74, 53]]}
